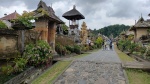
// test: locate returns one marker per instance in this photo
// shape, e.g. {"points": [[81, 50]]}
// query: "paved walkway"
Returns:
{"points": [[101, 67]]}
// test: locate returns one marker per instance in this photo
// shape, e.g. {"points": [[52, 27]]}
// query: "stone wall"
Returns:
{"points": [[140, 32], [12, 42], [8, 43]]}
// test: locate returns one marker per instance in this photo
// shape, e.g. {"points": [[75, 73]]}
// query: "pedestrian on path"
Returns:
{"points": [[110, 45], [103, 45], [107, 44]]}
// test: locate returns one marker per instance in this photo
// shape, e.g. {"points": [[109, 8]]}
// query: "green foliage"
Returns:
{"points": [[61, 50], [115, 30], [148, 53], [64, 27], [84, 48], [124, 45], [77, 49], [25, 19], [7, 70], [20, 64], [130, 37], [2, 25], [38, 53], [142, 50], [94, 47], [70, 48], [99, 42], [132, 47]]}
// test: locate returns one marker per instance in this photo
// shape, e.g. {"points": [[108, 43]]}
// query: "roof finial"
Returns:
{"points": [[74, 7], [135, 21], [15, 10], [51, 4], [141, 14]]}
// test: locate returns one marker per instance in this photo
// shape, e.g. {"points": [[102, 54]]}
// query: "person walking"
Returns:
{"points": [[110, 45], [103, 45]]}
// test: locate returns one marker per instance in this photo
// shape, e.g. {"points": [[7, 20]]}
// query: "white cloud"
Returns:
{"points": [[7, 10], [98, 13]]}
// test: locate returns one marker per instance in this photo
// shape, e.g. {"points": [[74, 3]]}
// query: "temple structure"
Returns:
{"points": [[140, 29], [46, 23], [74, 16], [84, 33]]}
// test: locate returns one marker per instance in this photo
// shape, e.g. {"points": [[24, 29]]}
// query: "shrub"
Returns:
{"points": [[64, 40], [70, 48], [61, 50], [93, 47], [142, 50], [77, 49], [20, 63], [38, 53], [25, 19], [148, 53], [125, 45], [99, 42], [2, 25], [132, 47], [84, 48], [7, 70]]}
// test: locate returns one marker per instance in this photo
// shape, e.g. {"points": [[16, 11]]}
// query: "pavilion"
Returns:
{"points": [[74, 16]]}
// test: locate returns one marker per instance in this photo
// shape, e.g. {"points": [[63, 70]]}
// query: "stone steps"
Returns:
{"points": [[136, 65]]}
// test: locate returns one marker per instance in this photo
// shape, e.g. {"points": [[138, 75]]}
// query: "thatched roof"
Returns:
{"points": [[73, 14], [141, 24], [49, 12]]}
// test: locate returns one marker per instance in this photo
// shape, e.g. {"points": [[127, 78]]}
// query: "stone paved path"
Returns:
{"points": [[101, 67]]}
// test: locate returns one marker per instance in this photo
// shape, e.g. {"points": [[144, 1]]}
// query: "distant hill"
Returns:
{"points": [[115, 30]]}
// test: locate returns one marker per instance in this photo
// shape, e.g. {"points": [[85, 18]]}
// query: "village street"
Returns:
{"points": [[100, 67]]}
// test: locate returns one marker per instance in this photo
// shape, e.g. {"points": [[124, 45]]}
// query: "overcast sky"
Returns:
{"points": [[98, 13]]}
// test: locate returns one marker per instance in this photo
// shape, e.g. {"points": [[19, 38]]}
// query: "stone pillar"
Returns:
{"points": [[42, 27], [51, 35]]}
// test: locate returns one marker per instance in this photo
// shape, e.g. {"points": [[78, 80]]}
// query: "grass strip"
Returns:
{"points": [[134, 76], [138, 76], [82, 55], [123, 56], [51, 74]]}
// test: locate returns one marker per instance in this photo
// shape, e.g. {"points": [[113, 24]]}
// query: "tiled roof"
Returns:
{"points": [[11, 16]]}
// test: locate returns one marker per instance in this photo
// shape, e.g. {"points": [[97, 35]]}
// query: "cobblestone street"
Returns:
{"points": [[101, 67]]}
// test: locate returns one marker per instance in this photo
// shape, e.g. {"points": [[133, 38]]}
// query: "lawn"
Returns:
{"points": [[138, 76], [134, 76], [51, 74], [123, 56]]}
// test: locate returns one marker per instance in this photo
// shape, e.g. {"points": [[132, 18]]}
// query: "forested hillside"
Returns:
{"points": [[115, 30]]}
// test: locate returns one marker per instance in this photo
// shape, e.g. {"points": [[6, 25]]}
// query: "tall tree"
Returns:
{"points": [[114, 30]]}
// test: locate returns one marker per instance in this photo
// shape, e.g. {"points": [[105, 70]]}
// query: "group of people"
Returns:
{"points": [[107, 44]]}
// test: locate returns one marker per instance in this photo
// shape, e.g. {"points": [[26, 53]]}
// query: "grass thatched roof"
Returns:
{"points": [[73, 14]]}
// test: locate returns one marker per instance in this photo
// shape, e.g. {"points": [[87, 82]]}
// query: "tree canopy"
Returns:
{"points": [[114, 30]]}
